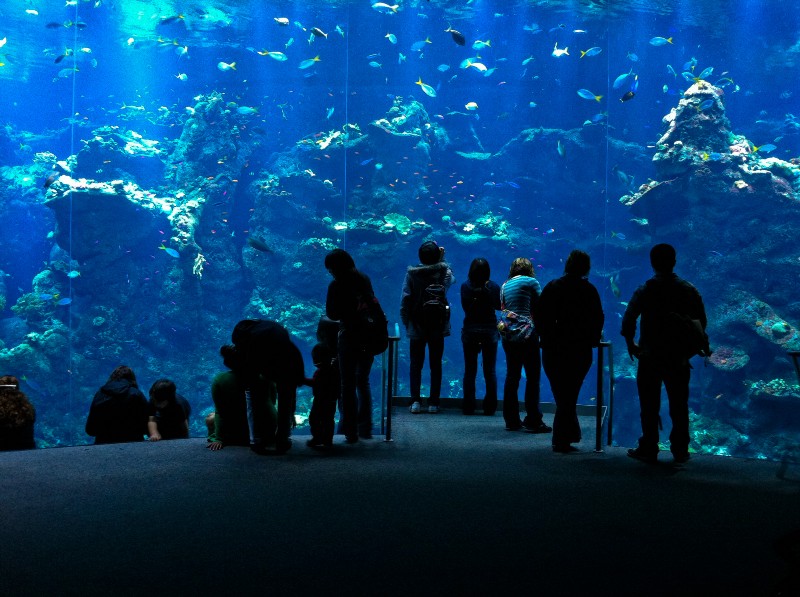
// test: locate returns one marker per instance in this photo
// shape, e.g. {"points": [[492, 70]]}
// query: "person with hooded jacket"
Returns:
{"points": [[119, 411], [433, 271]]}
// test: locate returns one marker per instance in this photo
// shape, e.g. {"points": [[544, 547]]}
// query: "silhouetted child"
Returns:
{"points": [[326, 388], [168, 412]]}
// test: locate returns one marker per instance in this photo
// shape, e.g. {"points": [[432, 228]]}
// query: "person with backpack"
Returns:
{"points": [[480, 298], [349, 296], [425, 312], [569, 320], [518, 297], [673, 323]]}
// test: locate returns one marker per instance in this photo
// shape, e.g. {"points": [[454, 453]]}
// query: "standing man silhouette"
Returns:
{"points": [[663, 302]]}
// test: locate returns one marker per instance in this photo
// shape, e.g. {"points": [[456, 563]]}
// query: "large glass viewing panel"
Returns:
{"points": [[169, 168]]}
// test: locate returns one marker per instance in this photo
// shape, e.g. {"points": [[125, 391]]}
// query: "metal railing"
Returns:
{"points": [[389, 367]]}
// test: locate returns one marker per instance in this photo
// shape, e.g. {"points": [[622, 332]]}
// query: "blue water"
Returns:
{"points": [[137, 70]]}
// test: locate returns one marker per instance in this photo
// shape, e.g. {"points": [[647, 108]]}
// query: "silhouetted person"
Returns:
{"points": [[661, 360], [425, 313], [119, 411], [17, 416], [348, 289], [569, 320], [168, 412], [267, 350], [326, 387], [244, 407], [480, 298], [520, 295]]}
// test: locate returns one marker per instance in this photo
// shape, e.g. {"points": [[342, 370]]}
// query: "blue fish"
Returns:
{"points": [[620, 81], [169, 251], [365, 162], [64, 302], [706, 104]]}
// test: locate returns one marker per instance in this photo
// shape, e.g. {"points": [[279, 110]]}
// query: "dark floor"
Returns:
{"points": [[453, 506]]}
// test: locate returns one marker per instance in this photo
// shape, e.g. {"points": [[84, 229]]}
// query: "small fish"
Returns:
{"points": [[457, 36], [586, 94], [329, 113], [63, 302], [279, 56], [591, 52], [527, 60], [640, 221], [671, 71], [224, 66], [532, 104], [562, 151], [309, 62], [391, 37], [365, 162], [706, 73], [288, 43], [621, 80], [246, 110], [443, 67], [558, 53], [618, 235], [427, 89], [169, 251], [613, 282], [471, 106], [182, 77], [401, 58], [170, 19], [374, 64], [73, 274], [282, 21], [628, 96], [709, 103], [317, 32], [660, 41], [479, 45], [769, 147], [385, 8], [632, 57], [50, 180], [418, 45], [479, 66], [3, 41]]}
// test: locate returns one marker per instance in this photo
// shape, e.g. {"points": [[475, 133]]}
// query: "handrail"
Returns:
{"points": [[389, 386]]}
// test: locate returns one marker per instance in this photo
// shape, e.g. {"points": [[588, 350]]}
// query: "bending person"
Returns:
{"points": [[267, 350]]}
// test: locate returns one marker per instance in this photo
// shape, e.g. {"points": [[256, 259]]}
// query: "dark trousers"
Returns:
{"points": [[566, 368], [652, 372], [321, 418], [435, 353], [521, 355], [475, 343], [355, 364]]}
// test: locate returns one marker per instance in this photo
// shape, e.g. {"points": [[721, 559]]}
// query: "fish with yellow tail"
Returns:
{"points": [[384, 8], [427, 89], [225, 66]]}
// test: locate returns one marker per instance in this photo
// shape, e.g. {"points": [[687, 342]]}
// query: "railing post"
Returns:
{"points": [[610, 392], [390, 383], [598, 447]]}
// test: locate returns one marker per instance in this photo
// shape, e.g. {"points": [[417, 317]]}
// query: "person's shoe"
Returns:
{"points": [[318, 444], [514, 427], [638, 454], [433, 409], [282, 446], [567, 449], [415, 408], [539, 427], [681, 458]]}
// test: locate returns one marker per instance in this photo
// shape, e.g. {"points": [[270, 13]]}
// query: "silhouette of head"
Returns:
{"points": [[123, 372], [521, 266], [339, 262], [163, 391], [578, 263], [321, 354], [429, 253], [662, 258], [479, 271]]}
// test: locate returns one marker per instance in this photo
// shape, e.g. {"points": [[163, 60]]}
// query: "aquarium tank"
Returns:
{"points": [[169, 168]]}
